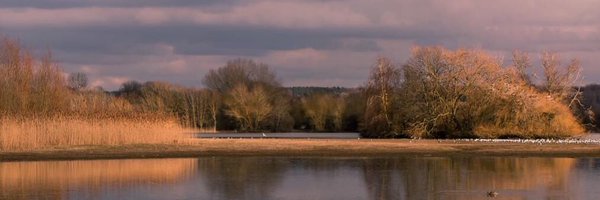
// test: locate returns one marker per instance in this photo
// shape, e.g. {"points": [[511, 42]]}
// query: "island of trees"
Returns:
{"points": [[436, 93]]}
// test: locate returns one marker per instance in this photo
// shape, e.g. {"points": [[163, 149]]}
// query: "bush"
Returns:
{"points": [[468, 93]]}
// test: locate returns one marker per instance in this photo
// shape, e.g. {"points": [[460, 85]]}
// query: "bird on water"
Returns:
{"points": [[492, 194]]}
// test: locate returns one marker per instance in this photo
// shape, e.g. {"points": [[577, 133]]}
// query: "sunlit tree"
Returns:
{"points": [[249, 106]]}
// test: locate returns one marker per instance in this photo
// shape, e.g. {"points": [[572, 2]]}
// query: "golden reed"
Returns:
{"points": [[44, 133]]}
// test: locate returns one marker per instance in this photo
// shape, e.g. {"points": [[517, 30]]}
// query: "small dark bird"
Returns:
{"points": [[492, 194]]}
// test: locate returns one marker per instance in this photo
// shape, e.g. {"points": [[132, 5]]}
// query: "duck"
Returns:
{"points": [[492, 194]]}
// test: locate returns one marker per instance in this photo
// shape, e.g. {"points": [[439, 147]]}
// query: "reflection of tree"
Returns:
{"points": [[591, 164], [378, 174], [447, 178], [54, 179], [241, 177]]}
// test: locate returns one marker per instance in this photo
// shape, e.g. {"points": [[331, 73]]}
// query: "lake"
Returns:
{"points": [[290, 135], [227, 177]]}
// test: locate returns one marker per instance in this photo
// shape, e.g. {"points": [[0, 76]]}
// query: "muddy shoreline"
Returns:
{"points": [[308, 147]]}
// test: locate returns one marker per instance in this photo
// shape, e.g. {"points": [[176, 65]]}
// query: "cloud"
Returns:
{"points": [[271, 14], [307, 42], [57, 4]]}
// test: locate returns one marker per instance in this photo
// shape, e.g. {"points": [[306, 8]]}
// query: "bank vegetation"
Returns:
{"points": [[39, 108], [436, 93], [440, 93]]}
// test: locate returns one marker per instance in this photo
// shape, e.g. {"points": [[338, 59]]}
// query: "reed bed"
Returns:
{"points": [[23, 134]]}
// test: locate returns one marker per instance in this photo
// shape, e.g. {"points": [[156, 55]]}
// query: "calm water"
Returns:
{"points": [[281, 135], [304, 178]]}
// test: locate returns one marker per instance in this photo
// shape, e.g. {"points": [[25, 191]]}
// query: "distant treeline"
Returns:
{"points": [[436, 93], [246, 96], [307, 91]]}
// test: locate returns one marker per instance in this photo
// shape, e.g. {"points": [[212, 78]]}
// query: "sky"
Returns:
{"points": [[306, 42]]}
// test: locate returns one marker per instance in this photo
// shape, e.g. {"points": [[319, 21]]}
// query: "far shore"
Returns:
{"points": [[308, 147]]}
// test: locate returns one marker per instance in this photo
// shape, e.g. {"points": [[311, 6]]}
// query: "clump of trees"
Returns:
{"points": [[325, 111], [253, 98], [36, 88], [29, 86], [196, 108], [244, 95], [439, 93]]}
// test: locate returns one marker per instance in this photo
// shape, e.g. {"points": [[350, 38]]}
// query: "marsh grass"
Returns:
{"points": [[43, 133]]}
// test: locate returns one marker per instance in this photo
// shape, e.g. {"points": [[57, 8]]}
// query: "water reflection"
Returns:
{"points": [[304, 178], [58, 179], [241, 178], [467, 178]]}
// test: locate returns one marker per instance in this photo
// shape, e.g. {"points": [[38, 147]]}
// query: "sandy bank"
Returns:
{"points": [[306, 147]]}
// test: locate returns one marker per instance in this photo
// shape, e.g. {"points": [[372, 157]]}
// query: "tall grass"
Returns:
{"points": [[43, 133]]}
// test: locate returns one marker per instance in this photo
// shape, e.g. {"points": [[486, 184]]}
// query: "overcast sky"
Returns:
{"points": [[306, 42]]}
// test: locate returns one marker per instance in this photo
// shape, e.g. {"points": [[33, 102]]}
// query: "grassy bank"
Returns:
{"points": [[305, 147], [28, 134]]}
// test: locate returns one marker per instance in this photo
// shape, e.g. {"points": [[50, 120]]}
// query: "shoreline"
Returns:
{"points": [[307, 148]]}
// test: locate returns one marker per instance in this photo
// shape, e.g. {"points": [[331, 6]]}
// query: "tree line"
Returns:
{"points": [[436, 93], [245, 96]]}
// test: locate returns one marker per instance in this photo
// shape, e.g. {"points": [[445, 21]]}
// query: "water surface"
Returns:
{"points": [[304, 178], [291, 135]]}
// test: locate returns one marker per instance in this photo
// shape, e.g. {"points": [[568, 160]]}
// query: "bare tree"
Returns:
{"points": [[337, 112], [522, 63], [249, 106], [213, 107], [49, 91], [559, 82], [240, 71], [468, 93], [381, 93], [77, 81], [27, 87], [255, 77], [316, 108], [281, 119], [325, 111], [16, 70]]}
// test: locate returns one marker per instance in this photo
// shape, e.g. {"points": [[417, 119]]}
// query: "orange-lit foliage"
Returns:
{"points": [[38, 110], [468, 93]]}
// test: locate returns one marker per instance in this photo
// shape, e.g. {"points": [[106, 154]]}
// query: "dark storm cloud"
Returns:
{"points": [[192, 40]]}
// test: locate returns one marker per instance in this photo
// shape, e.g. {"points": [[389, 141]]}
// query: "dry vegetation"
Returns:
{"points": [[441, 93], [437, 93], [38, 110], [324, 108], [41, 133]]}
